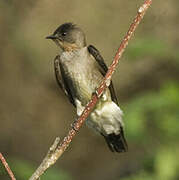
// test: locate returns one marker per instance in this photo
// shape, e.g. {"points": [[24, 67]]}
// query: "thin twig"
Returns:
{"points": [[56, 149], [3, 160]]}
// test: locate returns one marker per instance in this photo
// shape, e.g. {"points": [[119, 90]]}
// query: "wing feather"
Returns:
{"points": [[103, 69], [62, 80]]}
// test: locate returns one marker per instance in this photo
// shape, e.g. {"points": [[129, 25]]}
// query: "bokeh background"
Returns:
{"points": [[33, 110]]}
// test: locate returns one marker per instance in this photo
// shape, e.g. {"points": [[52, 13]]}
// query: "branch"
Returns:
{"points": [[3, 160], [56, 150]]}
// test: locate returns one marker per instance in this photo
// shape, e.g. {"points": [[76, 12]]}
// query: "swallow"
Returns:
{"points": [[79, 70]]}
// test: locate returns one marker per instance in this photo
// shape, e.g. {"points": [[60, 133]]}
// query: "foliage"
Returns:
{"points": [[144, 46], [152, 122], [23, 170]]}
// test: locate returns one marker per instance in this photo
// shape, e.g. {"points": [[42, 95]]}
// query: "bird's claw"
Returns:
{"points": [[73, 125], [95, 93]]}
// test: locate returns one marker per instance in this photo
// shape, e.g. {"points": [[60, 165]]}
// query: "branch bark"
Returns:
{"points": [[4, 162], [57, 149]]}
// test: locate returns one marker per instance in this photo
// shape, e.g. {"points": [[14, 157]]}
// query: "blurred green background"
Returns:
{"points": [[33, 110]]}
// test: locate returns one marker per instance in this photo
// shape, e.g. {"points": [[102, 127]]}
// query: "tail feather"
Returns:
{"points": [[116, 142]]}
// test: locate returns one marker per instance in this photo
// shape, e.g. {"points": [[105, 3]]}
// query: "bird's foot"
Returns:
{"points": [[95, 93], [73, 125]]}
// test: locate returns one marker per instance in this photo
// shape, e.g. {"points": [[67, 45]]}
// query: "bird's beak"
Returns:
{"points": [[52, 37]]}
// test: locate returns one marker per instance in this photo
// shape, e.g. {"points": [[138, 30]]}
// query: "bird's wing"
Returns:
{"points": [[61, 79], [103, 69]]}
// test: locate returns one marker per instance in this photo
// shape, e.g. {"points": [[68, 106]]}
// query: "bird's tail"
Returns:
{"points": [[116, 142]]}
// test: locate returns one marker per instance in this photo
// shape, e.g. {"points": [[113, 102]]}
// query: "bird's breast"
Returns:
{"points": [[84, 75]]}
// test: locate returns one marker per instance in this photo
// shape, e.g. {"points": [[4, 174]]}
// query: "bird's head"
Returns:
{"points": [[69, 37]]}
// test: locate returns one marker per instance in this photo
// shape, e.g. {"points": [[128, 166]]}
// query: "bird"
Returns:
{"points": [[79, 70]]}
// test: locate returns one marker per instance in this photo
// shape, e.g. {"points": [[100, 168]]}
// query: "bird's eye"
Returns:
{"points": [[64, 34]]}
